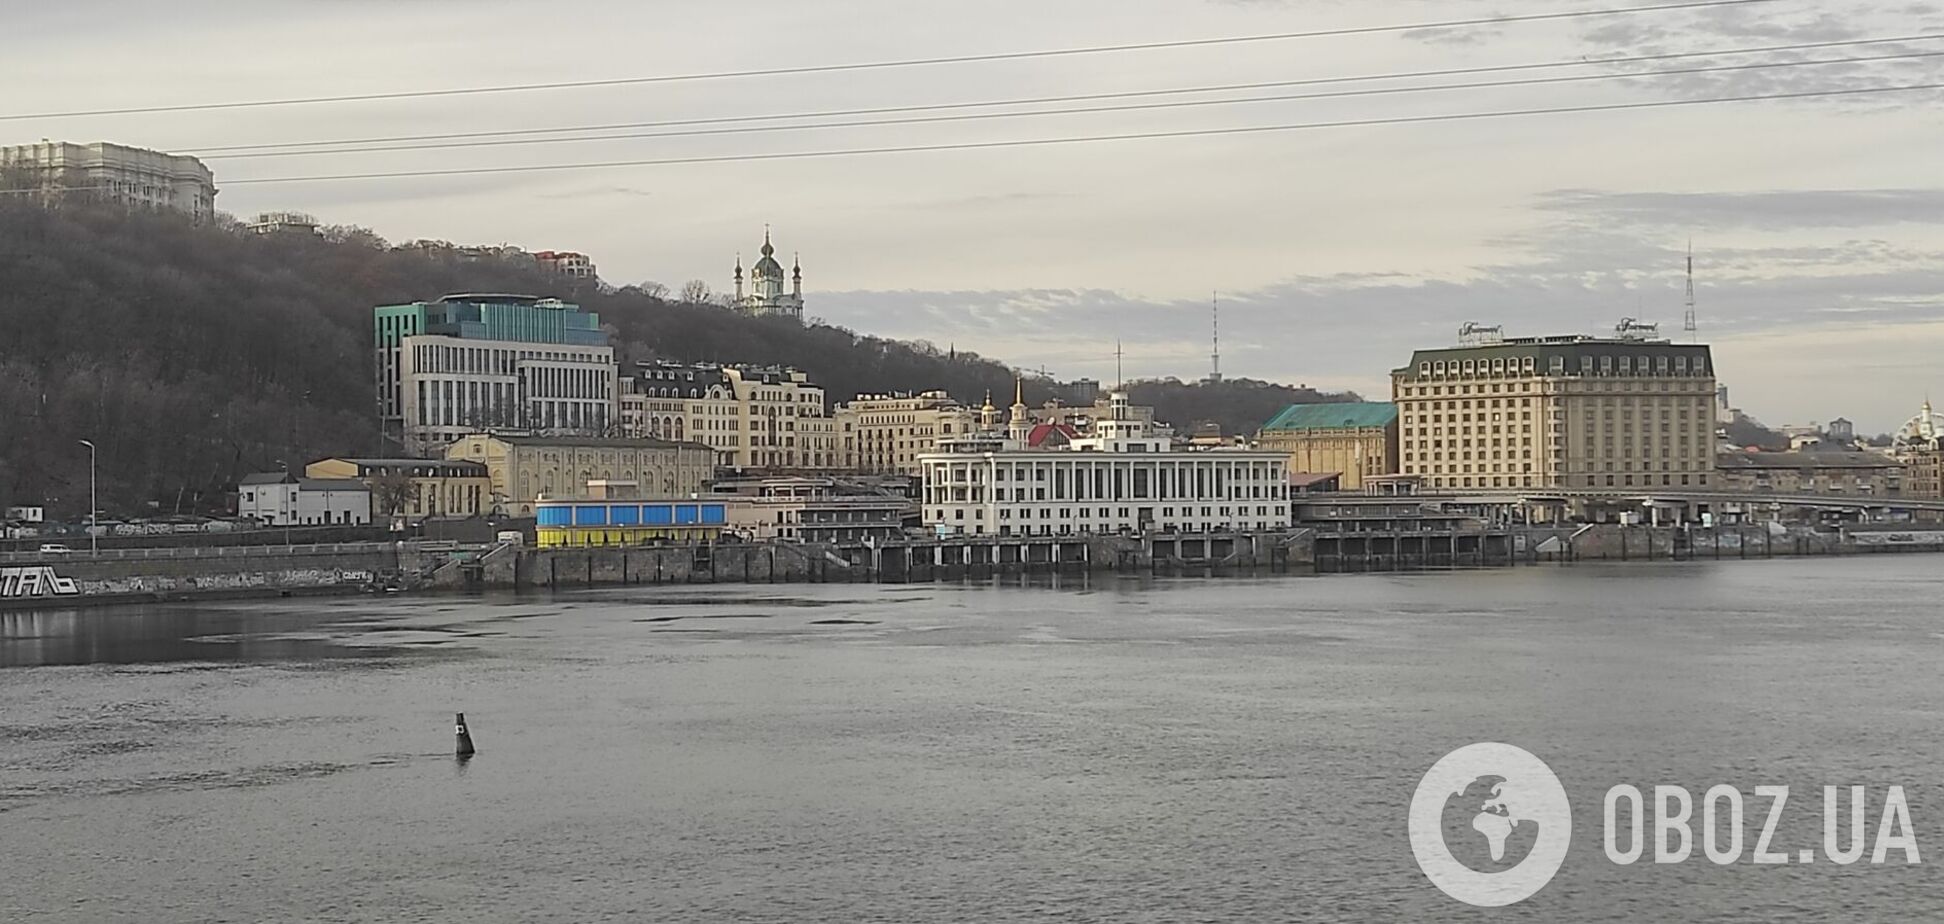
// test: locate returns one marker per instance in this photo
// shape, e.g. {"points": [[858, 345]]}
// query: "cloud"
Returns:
{"points": [[591, 192], [1598, 257], [1766, 210]]}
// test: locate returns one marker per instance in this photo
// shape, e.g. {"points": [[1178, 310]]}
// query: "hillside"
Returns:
{"points": [[193, 354]]}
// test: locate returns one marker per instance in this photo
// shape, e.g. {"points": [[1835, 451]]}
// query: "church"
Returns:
{"points": [[765, 296]]}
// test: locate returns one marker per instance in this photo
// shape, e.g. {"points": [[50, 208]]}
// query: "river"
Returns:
{"points": [[1162, 750]]}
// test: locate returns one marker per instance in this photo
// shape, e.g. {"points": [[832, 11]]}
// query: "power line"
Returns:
{"points": [[1083, 110], [909, 62], [1085, 97], [1083, 139]]}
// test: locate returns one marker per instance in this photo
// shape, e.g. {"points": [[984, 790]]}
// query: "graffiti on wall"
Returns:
{"points": [[34, 581]]}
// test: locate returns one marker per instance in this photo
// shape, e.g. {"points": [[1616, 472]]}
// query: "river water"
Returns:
{"points": [[1114, 750]]}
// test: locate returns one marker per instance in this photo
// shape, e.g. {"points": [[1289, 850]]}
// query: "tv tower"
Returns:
{"points": [[1215, 338], [1687, 324]]}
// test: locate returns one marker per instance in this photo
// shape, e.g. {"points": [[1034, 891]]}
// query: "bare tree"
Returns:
{"points": [[390, 492], [653, 289], [695, 292]]}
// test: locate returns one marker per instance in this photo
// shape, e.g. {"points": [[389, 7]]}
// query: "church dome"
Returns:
{"points": [[767, 267], [1922, 429]]}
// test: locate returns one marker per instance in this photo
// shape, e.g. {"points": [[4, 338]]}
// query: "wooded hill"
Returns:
{"points": [[194, 354]]}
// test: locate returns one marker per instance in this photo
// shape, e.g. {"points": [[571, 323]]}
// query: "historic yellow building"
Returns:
{"points": [[754, 418], [521, 468], [414, 488], [1558, 412], [1356, 440], [886, 433]]}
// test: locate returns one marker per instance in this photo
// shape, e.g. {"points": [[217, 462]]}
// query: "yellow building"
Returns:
{"points": [[521, 468], [886, 433], [414, 488], [1355, 440], [1558, 412], [754, 418]]}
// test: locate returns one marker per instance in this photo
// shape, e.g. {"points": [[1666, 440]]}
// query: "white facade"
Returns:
{"points": [[137, 176], [283, 500], [453, 386], [1123, 478], [566, 263]]}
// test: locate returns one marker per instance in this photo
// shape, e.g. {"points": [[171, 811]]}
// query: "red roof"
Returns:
{"points": [[1042, 431]]}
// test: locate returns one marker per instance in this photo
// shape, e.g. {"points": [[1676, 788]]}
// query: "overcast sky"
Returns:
{"points": [[1818, 224]]}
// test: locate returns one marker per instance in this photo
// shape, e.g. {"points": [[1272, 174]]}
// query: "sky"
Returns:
{"points": [[1817, 224]]}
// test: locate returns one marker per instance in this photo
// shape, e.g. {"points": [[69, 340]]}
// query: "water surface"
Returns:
{"points": [[1115, 750]]}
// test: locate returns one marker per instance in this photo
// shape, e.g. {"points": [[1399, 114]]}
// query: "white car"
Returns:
{"points": [[55, 548]]}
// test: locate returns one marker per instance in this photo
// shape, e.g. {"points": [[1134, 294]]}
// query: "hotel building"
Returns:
{"points": [[1569, 412], [134, 176], [1123, 477]]}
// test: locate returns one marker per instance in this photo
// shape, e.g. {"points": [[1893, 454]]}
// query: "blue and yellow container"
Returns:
{"points": [[581, 523]]}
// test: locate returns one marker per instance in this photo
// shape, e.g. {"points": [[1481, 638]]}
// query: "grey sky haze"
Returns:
{"points": [[1818, 225]]}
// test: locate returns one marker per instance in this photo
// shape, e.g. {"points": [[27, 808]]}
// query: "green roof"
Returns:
{"points": [[1349, 415]]}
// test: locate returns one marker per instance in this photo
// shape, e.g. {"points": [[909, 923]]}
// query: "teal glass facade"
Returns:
{"points": [[516, 318]]}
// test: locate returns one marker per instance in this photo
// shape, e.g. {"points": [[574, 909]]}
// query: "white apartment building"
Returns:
{"points": [[1123, 478], [136, 176], [283, 499]]}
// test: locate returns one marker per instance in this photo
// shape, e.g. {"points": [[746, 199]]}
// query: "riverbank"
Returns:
{"points": [[138, 575]]}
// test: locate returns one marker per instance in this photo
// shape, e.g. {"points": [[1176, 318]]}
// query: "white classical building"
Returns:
{"points": [[1124, 477], [136, 176], [765, 296], [283, 499]]}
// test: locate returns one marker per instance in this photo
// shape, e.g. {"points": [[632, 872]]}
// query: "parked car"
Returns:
{"points": [[55, 548]]}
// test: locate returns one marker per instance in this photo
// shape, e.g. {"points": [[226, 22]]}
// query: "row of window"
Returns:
{"points": [[1661, 364]]}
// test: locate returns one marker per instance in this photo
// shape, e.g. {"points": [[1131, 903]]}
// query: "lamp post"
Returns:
{"points": [[94, 541], [295, 501]]}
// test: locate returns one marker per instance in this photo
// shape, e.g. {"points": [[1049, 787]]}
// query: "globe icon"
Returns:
{"points": [[1487, 826]]}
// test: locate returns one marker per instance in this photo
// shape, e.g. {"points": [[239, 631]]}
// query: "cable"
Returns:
{"points": [[1083, 110], [910, 62], [831, 113], [1042, 142]]}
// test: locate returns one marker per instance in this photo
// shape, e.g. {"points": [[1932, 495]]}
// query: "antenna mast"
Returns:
{"points": [[1120, 377], [1688, 322], [1215, 339]]}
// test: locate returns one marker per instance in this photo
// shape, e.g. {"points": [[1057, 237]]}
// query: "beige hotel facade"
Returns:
{"points": [[1566, 412]]}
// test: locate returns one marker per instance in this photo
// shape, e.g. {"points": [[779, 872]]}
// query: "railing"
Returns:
{"points": [[218, 551]]}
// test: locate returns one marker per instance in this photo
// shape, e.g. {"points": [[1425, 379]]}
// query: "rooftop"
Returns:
{"points": [[592, 441], [1339, 416], [1755, 460]]}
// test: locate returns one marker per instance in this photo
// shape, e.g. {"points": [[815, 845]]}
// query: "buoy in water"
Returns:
{"points": [[465, 747]]}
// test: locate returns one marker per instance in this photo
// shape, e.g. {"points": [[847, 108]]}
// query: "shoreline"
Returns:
{"points": [[384, 569]]}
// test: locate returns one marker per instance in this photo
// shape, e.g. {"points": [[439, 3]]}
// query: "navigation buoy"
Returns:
{"points": [[465, 737]]}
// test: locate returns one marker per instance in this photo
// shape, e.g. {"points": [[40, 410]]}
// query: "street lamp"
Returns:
{"points": [[295, 502], [94, 541]]}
